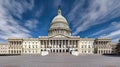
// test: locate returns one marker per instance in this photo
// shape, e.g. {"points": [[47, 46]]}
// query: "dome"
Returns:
{"points": [[59, 25], [59, 18]]}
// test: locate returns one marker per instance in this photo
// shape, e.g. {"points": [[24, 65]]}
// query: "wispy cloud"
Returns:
{"points": [[10, 27], [112, 31], [115, 35], [113, 26], [32, 24], [17, 8], [97, 12]]}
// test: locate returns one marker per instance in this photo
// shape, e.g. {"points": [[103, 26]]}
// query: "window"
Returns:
{"points": [[33, 42], [25, 51], [33, 51], [36, 46], [85, 46], [82, 46], [29, 46], [89, 46], [33, 46], [36, 51], [29, 51]]}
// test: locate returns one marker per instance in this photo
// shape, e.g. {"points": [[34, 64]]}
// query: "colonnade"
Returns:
{"points": [[15, 47], [57, 31], [103, 47], [104, 51], [102, 42], [57, 46]]}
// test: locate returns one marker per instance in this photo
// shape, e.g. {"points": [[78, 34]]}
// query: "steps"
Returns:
{"points": [[59, 54]]}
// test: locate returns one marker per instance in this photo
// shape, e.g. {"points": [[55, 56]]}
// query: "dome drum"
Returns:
{"points": [[67, 29]]}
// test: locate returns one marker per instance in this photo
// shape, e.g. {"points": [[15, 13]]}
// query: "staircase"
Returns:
{"points": [[59, 54]]}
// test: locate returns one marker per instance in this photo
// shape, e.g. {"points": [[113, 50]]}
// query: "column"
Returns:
{"points": [[62, 44], [46, 43], [68, 44], [65, 43], [100, 51], [59, 43], [43, 43], [18, 47], [72, 43], [52, 43]]}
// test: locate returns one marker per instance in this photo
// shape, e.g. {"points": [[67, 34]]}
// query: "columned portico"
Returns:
{"points": [[59, 45]]}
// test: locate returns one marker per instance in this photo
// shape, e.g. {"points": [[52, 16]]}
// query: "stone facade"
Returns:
{"points": [[86, 45], [15, 45], [3, 48], [59, 40], [103, 45], [31, 46]]}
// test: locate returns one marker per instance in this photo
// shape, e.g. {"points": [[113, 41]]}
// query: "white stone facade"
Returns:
{"points": [[3, 48], [31, 46], [86, 46]]}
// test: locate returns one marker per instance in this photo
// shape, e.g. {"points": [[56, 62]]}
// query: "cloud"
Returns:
{"points": [[115, 35], [97, 12], [38, 13], [9, 26], [112, 31], [17, 8], [112, 27], [32, 24]]}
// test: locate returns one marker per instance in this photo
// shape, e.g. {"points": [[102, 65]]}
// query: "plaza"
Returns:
{"points": [[59, 60]]}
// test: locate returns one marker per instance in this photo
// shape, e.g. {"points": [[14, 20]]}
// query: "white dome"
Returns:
{"points": [[59, 18]]}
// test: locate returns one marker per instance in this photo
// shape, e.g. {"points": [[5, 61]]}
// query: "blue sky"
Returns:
{"points": [[87, 18]]}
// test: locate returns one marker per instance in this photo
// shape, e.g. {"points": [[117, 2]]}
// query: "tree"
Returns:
{"points": [[117, 49]]}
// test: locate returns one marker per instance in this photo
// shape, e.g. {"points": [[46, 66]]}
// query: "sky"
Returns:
{"points": [[86, 18]]}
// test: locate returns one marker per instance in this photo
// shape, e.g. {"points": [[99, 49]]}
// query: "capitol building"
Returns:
{"points": [[59, 40]]}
